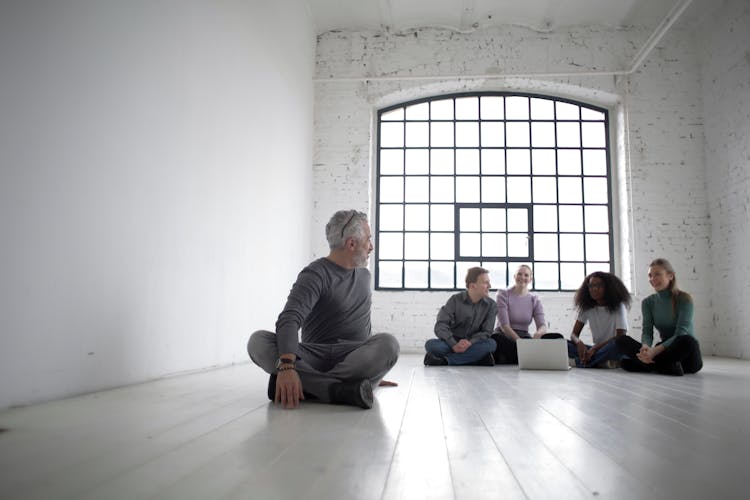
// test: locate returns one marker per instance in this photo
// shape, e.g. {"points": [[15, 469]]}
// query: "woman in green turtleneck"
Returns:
{"points": [[670, 310]]}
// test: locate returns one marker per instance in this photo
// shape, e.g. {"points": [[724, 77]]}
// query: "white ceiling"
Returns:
{"points": [[463, 15]]}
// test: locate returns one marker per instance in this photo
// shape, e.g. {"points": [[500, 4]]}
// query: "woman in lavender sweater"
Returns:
{"points": [[516, 307]]}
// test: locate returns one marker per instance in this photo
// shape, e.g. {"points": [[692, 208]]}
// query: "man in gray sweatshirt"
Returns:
{"points": [[338, 359]]}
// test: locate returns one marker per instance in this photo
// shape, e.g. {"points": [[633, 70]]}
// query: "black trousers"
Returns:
{"points": [[684, 350], [507, 352]]}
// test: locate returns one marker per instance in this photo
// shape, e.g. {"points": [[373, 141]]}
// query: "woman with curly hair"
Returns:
{"points": [[670, 310], [602, 302]]}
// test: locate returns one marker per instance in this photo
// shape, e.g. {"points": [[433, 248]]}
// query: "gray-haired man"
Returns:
{"points": [[338, 360]]}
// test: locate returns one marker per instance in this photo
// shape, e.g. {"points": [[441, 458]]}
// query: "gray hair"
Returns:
{"points": [[345, 224]]}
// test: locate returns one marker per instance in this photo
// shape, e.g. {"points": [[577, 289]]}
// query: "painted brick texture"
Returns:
{"points": [[725, 64]]}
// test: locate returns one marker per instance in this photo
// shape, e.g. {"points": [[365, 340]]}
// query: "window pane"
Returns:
{"points": [[441, 134], [467, 134], [441, 246], [493, 219], [417, 134], [546, 276], [597, 266], [391, 246], [593, 135], [493, 245], [591, 114], [493, 161], [571, 247], [519, 162], [469, 244], [571, 219], [517, 108], [542, 109], [419, 111], [417, 161], [543, 161], [570, 190], [441, 274], [594, 162], [545, 218], [416, 246], [597, 219], [518, 220], [498, 275], [396, 114], [442, 109], [417, 218], [595, 189], [493, 190], [392, 162], [571, 275], [493, 134], [566, 111], [441, 190], [392, 135], [417, 189], [391, 217], [441, 218], [391, 189], [519, 190], [492, 108], [469, 219], [545, 247], [543, 134], [467, 108], [569, 162], [467, 189], [415, 274], [441, 162], [568, 135], [518, 245], [545, 189], [517, 134], [389, 274], [597, 247], [467, 162]]}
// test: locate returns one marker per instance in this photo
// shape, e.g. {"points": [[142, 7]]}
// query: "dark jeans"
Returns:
{"points": [[608, 351], [478, 350], [684, 350], [507, 352]]}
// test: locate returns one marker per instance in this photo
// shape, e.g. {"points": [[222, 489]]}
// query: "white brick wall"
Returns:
{"points": [[659, 108], [725, 61]]}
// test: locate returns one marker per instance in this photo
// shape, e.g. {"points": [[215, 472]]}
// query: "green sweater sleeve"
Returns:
{"points": [[683, 324], [648, 321], [670, 322]]}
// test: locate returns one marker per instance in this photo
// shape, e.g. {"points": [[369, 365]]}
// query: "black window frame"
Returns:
{"points": [[507, 260]]}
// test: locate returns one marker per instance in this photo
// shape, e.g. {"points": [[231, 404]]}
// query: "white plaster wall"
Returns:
{"points": [[154, 167], [655, 115], [725, 62]]}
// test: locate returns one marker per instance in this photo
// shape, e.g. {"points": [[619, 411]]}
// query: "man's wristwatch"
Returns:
{"points": [[284, 364]]}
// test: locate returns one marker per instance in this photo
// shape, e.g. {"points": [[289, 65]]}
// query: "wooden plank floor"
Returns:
{"points": [[444, 433]]}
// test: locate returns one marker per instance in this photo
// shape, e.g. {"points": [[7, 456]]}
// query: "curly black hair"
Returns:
{"points": [[615, 292]]}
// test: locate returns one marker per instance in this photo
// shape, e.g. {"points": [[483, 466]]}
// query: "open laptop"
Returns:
{"points": [[542, 354]]}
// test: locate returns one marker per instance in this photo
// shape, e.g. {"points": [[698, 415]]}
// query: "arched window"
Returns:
{"points": [[495, 180]]}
